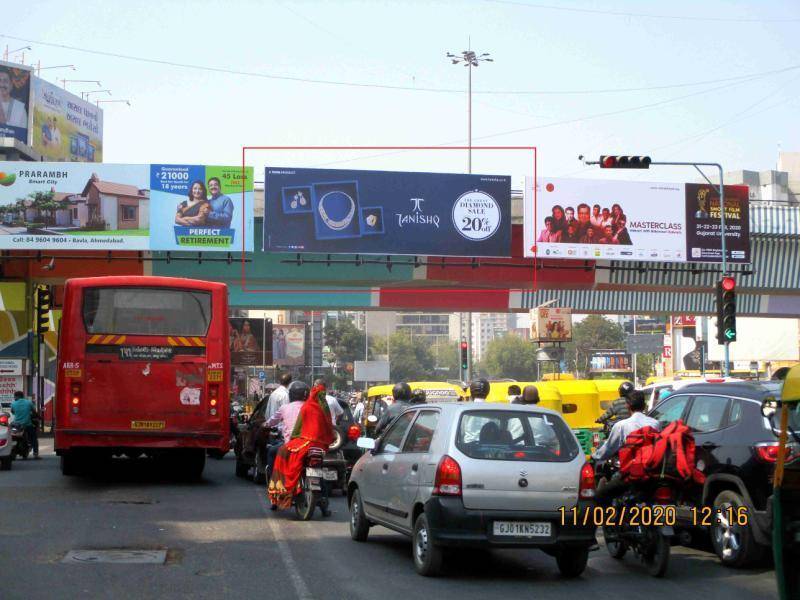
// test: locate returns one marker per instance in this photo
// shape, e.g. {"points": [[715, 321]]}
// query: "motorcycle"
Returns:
{"points": [[22, 446], [311, 481], [641, 521]]}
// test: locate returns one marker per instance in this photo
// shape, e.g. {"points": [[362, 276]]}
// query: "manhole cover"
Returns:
{"points": [[130, 557]]}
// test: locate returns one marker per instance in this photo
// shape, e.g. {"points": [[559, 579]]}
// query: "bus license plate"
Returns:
{"points": [[522, 528], [148, 424]]}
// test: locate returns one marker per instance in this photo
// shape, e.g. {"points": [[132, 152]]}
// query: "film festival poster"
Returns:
{"points": [[246, 341], [704, 223], [15, 101]]}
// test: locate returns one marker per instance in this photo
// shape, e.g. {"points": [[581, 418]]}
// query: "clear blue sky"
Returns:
{"points": [[190, 116]]}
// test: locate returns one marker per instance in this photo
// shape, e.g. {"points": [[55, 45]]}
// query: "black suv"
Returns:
{"points": [[736, 448]]}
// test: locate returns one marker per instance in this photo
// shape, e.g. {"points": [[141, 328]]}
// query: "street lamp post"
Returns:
{"points": [[64, 82], [85, 95], [469, 59], [99, 102]]}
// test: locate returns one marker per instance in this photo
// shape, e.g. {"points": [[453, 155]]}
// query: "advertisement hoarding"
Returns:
{"points": [[766, 339], [609, 360], [382, 212], [288, 345], [246, 341], [71, 206], [551, 324], [633, 221], [15, 102], [371, 370], [65, 127]]}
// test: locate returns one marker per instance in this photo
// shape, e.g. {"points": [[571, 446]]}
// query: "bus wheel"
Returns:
{"points": [[70, 464], [193, 464]]}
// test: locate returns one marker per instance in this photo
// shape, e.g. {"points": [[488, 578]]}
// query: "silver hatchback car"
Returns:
{"points": [[477, 475]]}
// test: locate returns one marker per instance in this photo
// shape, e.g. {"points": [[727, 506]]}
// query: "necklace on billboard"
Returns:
{"points": [[334, 224]]}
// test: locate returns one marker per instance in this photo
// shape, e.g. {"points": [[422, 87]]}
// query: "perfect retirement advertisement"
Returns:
{"points": [[85, 206]]}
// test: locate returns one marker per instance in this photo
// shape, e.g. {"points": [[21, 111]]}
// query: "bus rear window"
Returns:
{"points": [[146, 311]]}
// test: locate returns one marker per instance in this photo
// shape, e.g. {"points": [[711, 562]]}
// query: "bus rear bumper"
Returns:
{"points": [[119, 441]]}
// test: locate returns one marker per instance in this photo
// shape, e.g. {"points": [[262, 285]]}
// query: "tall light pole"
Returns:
{"points": [[469, 59]]}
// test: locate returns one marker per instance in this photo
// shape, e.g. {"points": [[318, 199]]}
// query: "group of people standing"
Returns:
{"points": [[593, 225]]}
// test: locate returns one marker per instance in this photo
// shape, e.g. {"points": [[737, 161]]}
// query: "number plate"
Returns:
{"points": [[148, 424], [522, 529], [311, 472], [330, 475]]}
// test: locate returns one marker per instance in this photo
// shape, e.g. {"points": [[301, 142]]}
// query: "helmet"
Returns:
{"points": [[479, 388], [298, 390], [418, 396], [625, 388], [401, 391]]}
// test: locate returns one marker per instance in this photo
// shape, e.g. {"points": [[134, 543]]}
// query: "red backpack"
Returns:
{"points": [[648, 453]]}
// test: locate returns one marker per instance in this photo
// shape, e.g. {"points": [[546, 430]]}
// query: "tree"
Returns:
{"points": [[409, 359], [509, 356], [345, 340], [447, 360], [595, 332]]}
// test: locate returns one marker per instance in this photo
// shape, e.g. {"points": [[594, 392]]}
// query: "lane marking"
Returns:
{"points": [[300, 586]]}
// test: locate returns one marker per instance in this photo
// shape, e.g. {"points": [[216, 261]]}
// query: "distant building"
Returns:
{"points": [[487, 327], [781, 185]]}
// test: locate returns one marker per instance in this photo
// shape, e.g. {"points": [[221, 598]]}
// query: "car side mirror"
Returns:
{"points": [[366, 443]]}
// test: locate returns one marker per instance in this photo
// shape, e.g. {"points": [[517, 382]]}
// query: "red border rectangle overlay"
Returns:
{"points": [[404, 290]]}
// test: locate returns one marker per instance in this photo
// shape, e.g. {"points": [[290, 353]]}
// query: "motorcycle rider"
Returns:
{"points": [[24, 415], [286, 417], [479, 389], [620, 431], [401, 392], [418, 396], [530, 395], [280, 396], [619, 407]]}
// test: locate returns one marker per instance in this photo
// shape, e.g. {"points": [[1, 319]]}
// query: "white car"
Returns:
{"points": [[476, 476], [5, 442]]}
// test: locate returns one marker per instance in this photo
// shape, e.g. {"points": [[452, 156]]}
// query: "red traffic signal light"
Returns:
{"points": [[728, 284], [624, 162], [463, 345]]}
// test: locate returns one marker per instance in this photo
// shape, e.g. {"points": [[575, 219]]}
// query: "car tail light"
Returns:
{"points": [[75, 396], [3, 442], [4, 420], [586, 486], [768, 452], [663, 495], [353, 432], [448, 478]]}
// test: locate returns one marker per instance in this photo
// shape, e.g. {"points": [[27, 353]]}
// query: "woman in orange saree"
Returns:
{"points": [[313, 429]]}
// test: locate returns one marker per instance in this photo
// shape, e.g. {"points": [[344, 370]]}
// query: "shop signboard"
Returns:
{"points": [[634, 221], [382, 212], [15, 103], [551, 324], [71, 206], [8, 385], [65, 126]]}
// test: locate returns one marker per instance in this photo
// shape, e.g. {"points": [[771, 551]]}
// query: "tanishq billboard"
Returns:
{"points": [[87, 206], [383, 212], [635, 221]]}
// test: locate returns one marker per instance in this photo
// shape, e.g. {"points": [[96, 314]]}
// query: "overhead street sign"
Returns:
{"points": [[644, 343]]}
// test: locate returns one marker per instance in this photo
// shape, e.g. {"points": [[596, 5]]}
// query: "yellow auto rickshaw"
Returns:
{"points": [[379, 397], [548, 394], [580, 406], [608, 390]]}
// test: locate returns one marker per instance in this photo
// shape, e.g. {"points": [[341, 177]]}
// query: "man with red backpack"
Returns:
{"points": [[608, 489]]}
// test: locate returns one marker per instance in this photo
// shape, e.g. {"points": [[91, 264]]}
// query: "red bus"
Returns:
{"points": [[143, 369]]}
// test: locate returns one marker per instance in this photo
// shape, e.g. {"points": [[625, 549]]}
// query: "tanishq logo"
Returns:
{"points": [[417, 217]]}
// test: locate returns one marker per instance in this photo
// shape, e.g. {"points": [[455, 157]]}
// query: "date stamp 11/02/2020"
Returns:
{"points": [[646, 516]]}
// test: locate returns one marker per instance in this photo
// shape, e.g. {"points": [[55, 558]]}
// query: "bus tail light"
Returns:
{"points": [[75, 397], [213, 393]]}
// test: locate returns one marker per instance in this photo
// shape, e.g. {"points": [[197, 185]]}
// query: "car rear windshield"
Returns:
{"points": [[146, 311], [514, 435]]}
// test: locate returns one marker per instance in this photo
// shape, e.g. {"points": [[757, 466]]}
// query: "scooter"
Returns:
{"points": [[22, 446], [641, 521]]}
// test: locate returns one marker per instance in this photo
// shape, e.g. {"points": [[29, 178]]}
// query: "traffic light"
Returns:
{"points": [[42, 309], [726, 310], [464, 355], [624, 162]]}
